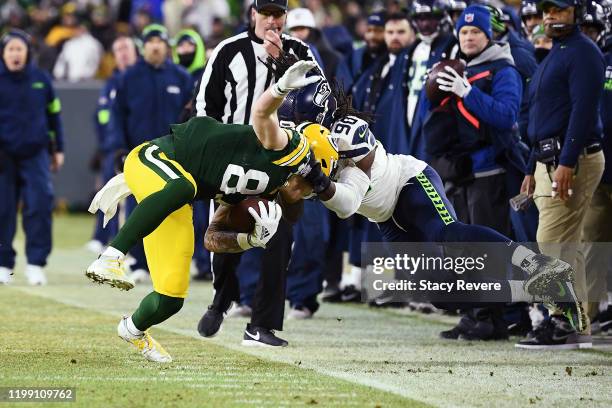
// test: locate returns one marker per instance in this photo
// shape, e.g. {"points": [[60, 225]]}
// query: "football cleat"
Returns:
{"points": [[35, 275], [111, 271], [147, 345], [544, 274]]}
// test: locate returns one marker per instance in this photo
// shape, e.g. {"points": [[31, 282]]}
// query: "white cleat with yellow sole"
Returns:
{"points": [[147, 345], [110, 270]]}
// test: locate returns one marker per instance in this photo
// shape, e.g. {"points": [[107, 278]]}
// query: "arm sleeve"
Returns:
{"points": [[501, 108], [117, 135], [586, 78], [54, 109], [102, 116], [211, 100], [351, 188]]}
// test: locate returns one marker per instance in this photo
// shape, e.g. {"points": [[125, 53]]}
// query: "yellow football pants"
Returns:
{"points": [[168, 248]]}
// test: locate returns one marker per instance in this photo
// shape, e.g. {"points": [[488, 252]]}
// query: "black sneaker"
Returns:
{"points": [[351, 294], [210, 323], [555, 333], [466, 323], [480, 324], [259, 336], [331, 294], [602, 323], [488, 325]]}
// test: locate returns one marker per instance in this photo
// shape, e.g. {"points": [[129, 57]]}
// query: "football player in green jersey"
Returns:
{"points": [[201, 159]]}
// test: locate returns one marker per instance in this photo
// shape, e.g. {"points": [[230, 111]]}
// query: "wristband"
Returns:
{"points": [[277, 92], [243, 241]]}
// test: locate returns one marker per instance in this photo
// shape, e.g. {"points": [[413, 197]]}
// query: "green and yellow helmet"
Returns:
{"points": [[322, 145]]}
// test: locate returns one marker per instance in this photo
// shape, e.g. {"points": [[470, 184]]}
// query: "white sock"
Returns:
{"points": [[131, 328], [517, 292], [356, 276], [519, 255], [113, 252]]}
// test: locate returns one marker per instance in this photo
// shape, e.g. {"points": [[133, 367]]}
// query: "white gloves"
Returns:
{"points": [[295, 78], [266, 225], [453, 82]]}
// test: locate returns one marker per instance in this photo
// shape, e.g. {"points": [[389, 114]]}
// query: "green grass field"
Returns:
{"points": [[64, 334]]}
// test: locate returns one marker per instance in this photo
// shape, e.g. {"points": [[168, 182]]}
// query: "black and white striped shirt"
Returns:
{"points": [[235, 77]]}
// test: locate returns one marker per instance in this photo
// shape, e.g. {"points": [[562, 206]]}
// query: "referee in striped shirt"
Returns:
{"points": [[233, 79]]}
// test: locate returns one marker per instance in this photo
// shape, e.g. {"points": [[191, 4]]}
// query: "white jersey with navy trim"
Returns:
{"points": [[388, 174]]}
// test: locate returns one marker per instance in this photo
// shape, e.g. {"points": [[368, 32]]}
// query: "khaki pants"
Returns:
{"points": [[560, 223], [597, 241]]}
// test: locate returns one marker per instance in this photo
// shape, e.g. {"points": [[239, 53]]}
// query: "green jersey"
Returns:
{"points": [[228, 162]]}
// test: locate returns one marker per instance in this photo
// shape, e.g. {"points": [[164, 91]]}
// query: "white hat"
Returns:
{"points": [[300, 17]]}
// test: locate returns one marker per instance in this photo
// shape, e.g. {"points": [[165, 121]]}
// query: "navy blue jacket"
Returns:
{"points": [[148, 100], [29, 112], [606, 114], [352, 66], [389, 103], [523, 54], [103, 109], [564, 97]]}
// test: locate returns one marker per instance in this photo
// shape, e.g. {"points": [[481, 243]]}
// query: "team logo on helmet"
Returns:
{"points": [[469, 17], [323, 93]]}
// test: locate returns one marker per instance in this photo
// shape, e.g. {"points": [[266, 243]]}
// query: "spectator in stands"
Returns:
{"points": [[31, 143], [80, 56], [353, 65], [301, 24], [150, 96]]}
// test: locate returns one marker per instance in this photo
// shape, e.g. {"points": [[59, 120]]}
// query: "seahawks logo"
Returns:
{"points": [[323, 92]]}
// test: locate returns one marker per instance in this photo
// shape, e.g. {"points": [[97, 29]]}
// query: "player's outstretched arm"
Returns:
{"points": [[344, 196], [265, 121], [218, 238]]}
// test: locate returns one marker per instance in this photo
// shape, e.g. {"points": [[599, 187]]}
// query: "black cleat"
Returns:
{"points": [[555, 333], [261, 337], [331, 294], [602, 323], [210, 323], [350, 294]]}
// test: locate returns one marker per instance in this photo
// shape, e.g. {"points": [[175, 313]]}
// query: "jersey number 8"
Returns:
{"points": [[236, 180]]}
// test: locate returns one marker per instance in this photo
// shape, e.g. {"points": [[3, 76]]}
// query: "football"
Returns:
{"points": [[434, 94], [239, 219]]}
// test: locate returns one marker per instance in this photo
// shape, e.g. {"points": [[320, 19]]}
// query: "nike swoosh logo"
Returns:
{"points": [[362, 134], [559, 338], [256, 338]]}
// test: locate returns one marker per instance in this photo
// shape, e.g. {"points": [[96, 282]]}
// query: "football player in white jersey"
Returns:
{"points": [[404, 195]]}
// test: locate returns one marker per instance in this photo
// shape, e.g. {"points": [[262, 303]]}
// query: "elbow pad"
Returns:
{"points": [[351, 188]]}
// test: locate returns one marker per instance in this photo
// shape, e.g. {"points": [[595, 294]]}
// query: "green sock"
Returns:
{"points": [[154, 309], [151, 211]]}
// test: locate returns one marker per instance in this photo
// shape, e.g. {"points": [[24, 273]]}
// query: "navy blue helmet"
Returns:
{"points": [[312, 103]]}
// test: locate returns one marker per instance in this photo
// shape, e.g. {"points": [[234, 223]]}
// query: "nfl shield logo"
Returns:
{"points": [[469, 17]]}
